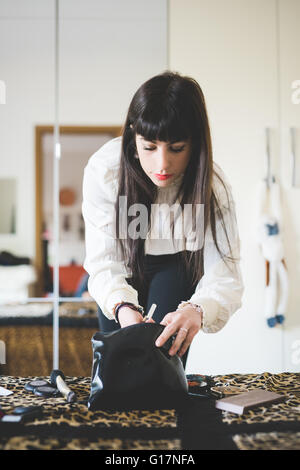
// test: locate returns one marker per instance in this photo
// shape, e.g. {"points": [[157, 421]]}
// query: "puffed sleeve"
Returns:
{"points": [[219, 291], [103, 261]]}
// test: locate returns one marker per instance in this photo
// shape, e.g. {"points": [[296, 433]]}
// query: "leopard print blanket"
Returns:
{"points": [[56, 411], [75, 427], [286, 383], [72, 426], [286, 413]]}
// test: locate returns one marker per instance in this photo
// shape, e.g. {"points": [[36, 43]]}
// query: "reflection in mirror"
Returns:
{"points": [[8, 205], [27, 59], [107, 49], [77, 145], [101, 64]]}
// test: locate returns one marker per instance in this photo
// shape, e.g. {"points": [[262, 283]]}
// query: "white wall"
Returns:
{"points": [[290, 117], [230, 48], [107, 49]]}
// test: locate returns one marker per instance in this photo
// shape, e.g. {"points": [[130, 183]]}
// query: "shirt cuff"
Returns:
{"points": [[120, 295]]}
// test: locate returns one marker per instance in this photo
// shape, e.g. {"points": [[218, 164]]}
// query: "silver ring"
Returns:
{"points": [[184, 329]]}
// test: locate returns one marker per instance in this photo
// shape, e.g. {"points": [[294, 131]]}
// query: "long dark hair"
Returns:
{"points": [[169, 107]]}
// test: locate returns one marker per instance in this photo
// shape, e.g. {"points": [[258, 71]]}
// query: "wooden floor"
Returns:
{"points": [[29, 350]]}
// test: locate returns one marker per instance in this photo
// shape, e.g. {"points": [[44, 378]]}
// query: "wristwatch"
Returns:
{"points": [[117, 307]]}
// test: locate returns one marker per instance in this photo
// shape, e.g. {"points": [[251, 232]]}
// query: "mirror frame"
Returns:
{"points": [[40, 131]]}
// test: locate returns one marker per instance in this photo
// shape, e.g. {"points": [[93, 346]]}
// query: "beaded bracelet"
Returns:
{"points": [[190, 304], [117, 307]]}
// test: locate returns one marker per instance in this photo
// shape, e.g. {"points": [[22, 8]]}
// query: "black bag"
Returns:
{"points": [[131, 372]]}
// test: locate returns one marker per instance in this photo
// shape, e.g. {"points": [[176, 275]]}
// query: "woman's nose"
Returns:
{"points": [[163, 160]]}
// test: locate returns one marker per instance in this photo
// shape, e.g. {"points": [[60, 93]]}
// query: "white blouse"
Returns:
{"points": [[219, 291]]}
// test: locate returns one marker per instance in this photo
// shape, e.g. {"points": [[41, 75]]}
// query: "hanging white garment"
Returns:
{"points": [[270, 231]]}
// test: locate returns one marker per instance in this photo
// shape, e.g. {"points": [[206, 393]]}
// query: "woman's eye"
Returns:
{"points": [[176, 150]]}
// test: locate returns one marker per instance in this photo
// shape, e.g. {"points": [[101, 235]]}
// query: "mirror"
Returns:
{"points": [[8, 198], [78, 143], [27, 58], [103, 57]]}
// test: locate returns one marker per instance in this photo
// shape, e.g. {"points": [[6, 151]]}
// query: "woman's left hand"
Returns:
{"points": [[186, 322]]}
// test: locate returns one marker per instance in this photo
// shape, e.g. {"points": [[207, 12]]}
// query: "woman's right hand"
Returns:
{"points": [[128, 316]]}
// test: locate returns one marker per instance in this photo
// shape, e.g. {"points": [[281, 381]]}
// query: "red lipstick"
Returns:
{"points": [[162, 177]]}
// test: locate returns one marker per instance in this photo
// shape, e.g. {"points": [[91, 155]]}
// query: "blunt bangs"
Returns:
{"points": [[164, 125]]}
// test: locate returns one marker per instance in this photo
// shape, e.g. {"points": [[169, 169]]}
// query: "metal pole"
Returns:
{"points": [[56, 158]]}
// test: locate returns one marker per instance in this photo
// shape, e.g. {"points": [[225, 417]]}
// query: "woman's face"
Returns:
{"points": [[161, 161]]}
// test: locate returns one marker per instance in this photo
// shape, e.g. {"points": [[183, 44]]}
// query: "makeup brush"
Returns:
{"points": [[150, 313]]}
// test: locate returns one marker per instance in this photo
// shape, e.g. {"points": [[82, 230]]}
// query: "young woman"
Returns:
{"points": [[134, 256]]}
